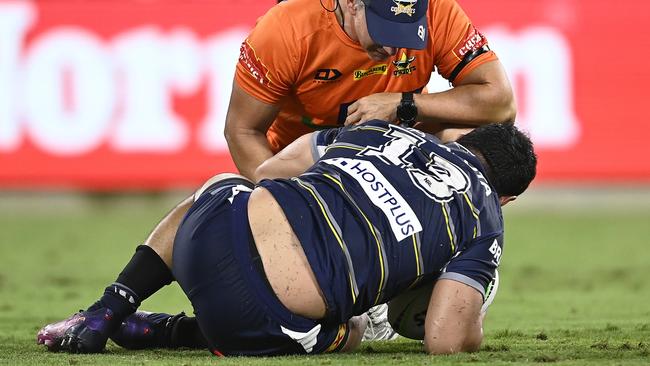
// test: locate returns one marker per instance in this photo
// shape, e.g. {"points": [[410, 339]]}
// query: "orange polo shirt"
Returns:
{"points": [[298, 56]]}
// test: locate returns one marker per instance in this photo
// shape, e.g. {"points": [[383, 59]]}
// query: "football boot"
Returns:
{"points": [[84, 332], [378, 328]]}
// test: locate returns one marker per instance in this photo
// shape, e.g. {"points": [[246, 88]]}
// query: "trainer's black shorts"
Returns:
{"points": [[216, 263]]}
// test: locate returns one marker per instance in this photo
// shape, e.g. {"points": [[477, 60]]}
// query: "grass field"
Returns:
{"points": [[574, 288]]}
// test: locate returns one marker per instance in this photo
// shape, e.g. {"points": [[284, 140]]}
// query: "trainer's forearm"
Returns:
{"points": [[249, 149], [483, 96], [472, 104]]}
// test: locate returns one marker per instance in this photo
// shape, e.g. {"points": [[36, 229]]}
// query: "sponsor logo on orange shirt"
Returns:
{"points": [[253, 64], [403, 65], [375, 70], [472, 42], [325, 75]]}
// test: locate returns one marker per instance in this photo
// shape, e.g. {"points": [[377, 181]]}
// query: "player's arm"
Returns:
{"points": [[290, 161], [247, 121], [298, 156], [453, 323], [357, 326]]}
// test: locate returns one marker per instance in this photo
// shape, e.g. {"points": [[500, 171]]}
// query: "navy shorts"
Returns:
{"points": [[216, 263]]}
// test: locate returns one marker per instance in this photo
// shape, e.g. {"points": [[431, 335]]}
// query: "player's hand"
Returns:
{"points": [[381, 106]]}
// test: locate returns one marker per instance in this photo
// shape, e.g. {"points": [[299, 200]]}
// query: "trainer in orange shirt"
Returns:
{"points": [[311, 64]]}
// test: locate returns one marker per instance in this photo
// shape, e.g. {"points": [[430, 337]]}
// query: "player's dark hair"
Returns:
{"points": [[507, 155]]}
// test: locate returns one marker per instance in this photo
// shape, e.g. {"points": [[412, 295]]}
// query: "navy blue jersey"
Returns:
{"points": [[388, 207]]}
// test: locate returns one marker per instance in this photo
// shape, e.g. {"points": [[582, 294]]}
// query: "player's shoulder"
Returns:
{"points": [[444, 11], [296, 19], [441, 5]]}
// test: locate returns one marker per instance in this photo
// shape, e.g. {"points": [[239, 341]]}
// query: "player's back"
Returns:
{"points": [[385, 208]]}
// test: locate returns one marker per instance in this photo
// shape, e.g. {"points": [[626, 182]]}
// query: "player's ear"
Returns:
{"points": [[505, 199]]}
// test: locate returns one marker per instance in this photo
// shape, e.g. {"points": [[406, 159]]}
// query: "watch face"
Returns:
{"points": [[407, 112]]}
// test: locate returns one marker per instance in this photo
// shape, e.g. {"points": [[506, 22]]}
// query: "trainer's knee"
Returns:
{"points": [[215, 179]]}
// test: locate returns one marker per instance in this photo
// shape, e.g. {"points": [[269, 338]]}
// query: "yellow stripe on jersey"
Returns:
{"points": [[417, 255], [473, 209], [416, 251], [342, 146], [451, 236], [372, 128], [374, 234], [418, 264], [334, 231]]}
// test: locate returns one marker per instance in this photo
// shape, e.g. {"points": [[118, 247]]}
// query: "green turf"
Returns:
{"points": [[574, 287]]}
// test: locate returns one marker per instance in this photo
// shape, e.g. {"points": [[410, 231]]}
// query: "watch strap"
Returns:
{"points": [[407, 97]]}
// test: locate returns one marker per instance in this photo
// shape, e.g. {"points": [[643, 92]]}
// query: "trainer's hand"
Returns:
{"points": [[381, 106]]}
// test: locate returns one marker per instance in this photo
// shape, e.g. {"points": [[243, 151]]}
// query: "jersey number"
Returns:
{"points": [[441, 179]]}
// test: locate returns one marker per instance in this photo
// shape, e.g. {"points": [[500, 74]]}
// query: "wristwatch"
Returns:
{"points": [[407, 112]]}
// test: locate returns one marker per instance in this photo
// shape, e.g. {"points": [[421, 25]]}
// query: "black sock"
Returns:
{"points": [[145, 274]]}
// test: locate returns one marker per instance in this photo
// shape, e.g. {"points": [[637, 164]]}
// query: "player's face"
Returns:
{"points": [[375, 51]]}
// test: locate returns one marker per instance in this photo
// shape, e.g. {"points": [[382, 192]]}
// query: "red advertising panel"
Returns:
{"points": [[580, 74], [110, 94]]}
